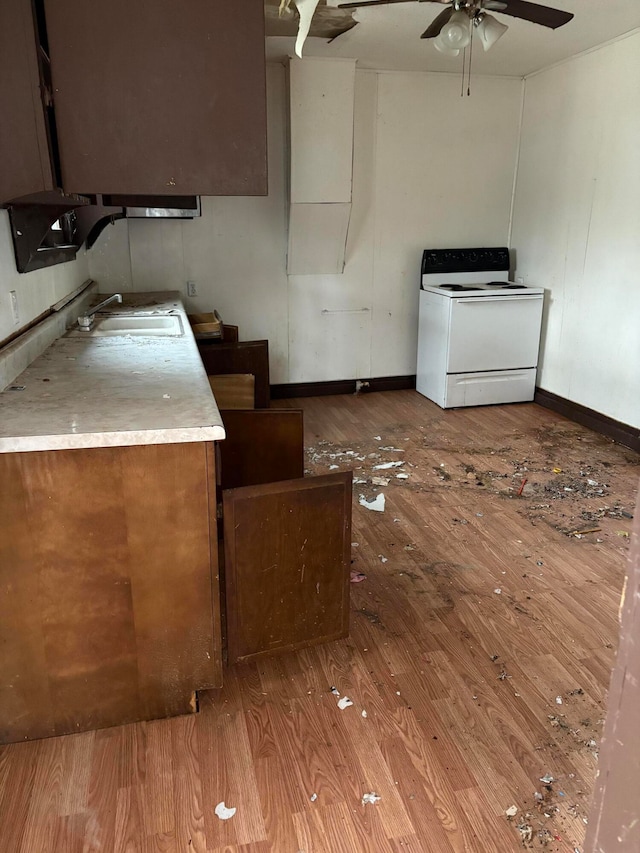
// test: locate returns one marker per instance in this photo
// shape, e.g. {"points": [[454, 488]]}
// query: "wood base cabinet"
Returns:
{"points": [[110, 609]]}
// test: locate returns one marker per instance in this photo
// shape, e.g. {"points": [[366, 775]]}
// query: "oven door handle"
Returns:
{"points": [[465, 300]]}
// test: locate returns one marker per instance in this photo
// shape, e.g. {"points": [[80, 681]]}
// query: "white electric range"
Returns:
{"points": [[478, 333]]}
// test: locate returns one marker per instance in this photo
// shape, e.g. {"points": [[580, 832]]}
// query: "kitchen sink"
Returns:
{"points": [[132, 324]]}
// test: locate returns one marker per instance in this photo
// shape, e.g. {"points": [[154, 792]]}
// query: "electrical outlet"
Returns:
{"points": [[14, 307], [192, 289]]}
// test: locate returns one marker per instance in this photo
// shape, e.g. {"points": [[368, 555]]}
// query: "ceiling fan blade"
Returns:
{"points": [[433, 30], [537, 14], [361, 3]]}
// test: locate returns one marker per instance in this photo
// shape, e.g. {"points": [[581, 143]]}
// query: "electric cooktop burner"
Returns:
{"points": [[490, 285], [456, 287]]}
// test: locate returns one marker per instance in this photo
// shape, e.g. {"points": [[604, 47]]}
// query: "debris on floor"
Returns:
{"points": [[526, 832], [377, 504], [345, 702], [512, 811], [223, 812], [357, 577], [384, 466], [380, 481], [313, 797], [371, 797]]}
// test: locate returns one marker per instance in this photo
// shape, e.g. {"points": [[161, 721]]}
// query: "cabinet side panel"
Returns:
{"points": [[24, 152], [160, 97]]}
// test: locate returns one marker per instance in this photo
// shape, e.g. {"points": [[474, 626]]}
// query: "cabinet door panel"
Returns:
{"points": [[159, 96], [287, 553], [24, 151]]}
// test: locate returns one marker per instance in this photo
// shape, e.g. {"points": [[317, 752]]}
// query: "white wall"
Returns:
{"points": [[35, 291], [576, 225], [430, 169]]}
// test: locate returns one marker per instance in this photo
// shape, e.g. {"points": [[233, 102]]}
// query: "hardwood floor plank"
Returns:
{"points": [[78, 750], [276, 806], [43, 810], [16, 794], [132, 765], [157, 790], [432, 819], [69, 833], [102, 798], [129, 820], [187, 787]]}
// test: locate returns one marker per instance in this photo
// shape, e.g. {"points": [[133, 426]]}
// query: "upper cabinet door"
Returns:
{"points": [[159, 96], [24, 153]]}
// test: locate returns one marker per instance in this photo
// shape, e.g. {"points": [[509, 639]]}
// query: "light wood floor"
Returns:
{"points": [[479, 608]]}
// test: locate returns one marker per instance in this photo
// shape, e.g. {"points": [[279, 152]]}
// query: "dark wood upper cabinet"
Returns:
{"points": [[25, 164], [159, 96]]}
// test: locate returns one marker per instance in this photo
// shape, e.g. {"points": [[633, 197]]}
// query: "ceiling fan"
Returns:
{"points": [[452, 28]]}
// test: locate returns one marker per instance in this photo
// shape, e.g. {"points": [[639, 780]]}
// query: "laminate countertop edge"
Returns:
{"points": [[123, 390]]}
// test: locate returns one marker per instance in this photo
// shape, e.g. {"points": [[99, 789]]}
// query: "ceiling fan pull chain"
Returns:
{"points": [[470, 58], [464, 56]]}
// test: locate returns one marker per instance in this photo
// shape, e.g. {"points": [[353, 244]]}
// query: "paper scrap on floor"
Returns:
{"points": [[377, 504], [223, 812]]}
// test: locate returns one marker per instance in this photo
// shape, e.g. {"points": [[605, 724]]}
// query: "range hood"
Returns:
{"points": [[156, 206]]}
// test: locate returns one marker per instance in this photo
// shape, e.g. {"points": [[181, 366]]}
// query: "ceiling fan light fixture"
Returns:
{"points": [[443, 48], [490, 30], [456, 33]]}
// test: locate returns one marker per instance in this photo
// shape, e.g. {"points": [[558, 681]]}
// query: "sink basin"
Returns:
{"points": [[166, 325]]}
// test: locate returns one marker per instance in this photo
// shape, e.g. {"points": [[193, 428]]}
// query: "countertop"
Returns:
{"points": [[88, 391]]}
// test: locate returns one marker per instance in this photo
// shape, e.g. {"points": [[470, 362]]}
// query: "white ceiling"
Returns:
{"points": [[388, 37]]}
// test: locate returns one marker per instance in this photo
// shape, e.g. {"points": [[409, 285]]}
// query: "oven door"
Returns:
{"points": [[494, 332]]}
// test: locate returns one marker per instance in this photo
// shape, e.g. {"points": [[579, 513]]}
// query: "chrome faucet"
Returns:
{"points": [[85, 321]]}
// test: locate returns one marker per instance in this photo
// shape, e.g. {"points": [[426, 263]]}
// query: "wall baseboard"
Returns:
{"points": [[342, 386], [621, 433]]}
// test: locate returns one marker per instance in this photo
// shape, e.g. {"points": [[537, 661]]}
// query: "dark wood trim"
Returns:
{"points": [[621, 433], [342, 386]]}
